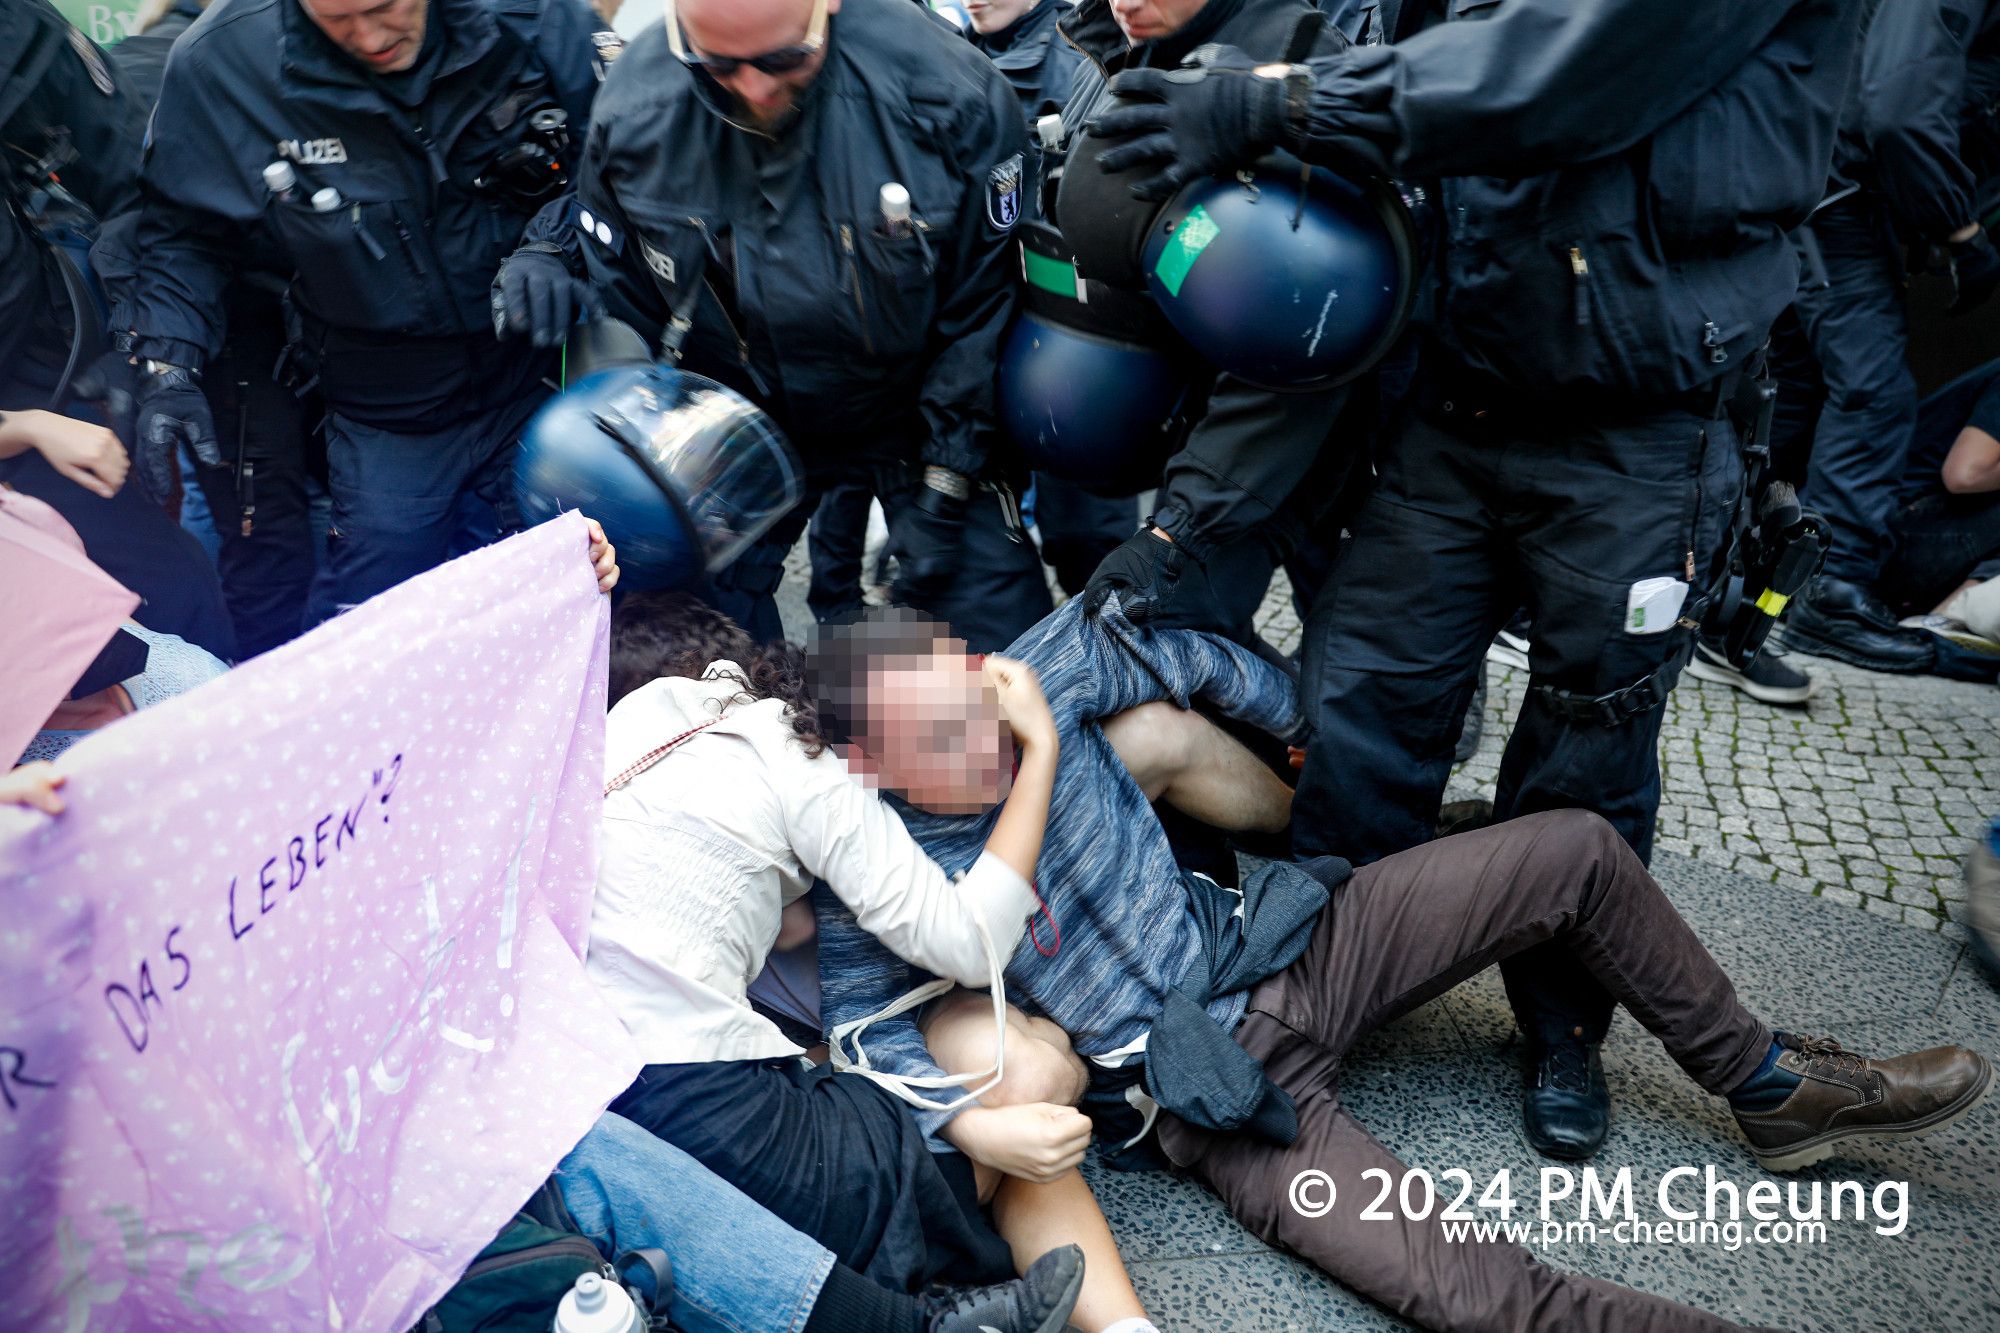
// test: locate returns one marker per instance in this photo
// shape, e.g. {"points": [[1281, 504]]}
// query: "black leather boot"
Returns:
{"points": [[1844, 621], [1565, 1107]]}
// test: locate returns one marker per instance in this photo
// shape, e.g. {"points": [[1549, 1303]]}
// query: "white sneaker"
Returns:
{"points": [[1946, 625], [1509, 650], [1979, 608]]}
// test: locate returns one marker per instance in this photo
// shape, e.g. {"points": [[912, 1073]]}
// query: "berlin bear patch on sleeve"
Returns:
{"points": [[1003, 194]]}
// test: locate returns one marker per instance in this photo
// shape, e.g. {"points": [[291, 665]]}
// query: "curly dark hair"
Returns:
{"points": [[671, 633]]}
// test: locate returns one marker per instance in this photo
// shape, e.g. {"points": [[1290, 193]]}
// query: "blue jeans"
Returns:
{"points": [[737, 1269]]}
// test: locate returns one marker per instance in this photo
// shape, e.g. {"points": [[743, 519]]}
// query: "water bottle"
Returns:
{"points": [[1049, 131], [281, 181], [326, 200], [895, 209], [594, 1305]]}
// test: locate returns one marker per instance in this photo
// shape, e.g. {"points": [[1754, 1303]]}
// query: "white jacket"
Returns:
{"points": [[702, 851]]}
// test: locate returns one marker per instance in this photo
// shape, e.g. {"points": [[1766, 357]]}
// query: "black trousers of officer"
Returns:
{"points": [[268, 556], [1470, 519], [1850, 306], [1078, 529], [998, 594]]}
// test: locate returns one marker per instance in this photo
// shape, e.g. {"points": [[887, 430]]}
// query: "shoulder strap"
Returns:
{"points": [[654, 756]]}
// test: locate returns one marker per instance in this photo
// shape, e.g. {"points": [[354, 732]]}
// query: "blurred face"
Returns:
{"points": [[385, 35], [1150, 20], [742, 30], [993, 15], [934, 733]]}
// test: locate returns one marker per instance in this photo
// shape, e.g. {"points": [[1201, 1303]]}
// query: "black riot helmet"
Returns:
{"points": [[682, 472], [1094, 385], [1286, 276]]}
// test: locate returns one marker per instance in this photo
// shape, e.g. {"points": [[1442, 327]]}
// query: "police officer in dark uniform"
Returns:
{"points": [[1020, 38], [811, 201], [1077, 529], [258, 496], [1919, 143], [390, 155], [69, 152], [1233, 502], [1618, 178]]}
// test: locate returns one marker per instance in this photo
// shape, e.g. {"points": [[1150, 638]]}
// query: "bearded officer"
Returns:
{"points": [[811, 201]]}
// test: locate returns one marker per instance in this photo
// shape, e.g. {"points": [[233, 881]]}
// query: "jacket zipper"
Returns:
{"points": [[854, 276], [1579, 268], [1711, 338], [536, 1253], [410, 248], [728, 320]]}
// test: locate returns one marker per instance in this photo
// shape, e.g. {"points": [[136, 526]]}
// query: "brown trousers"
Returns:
{"points": [[1401, 932]]}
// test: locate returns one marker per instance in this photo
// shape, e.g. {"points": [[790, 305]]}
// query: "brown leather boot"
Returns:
{"points": [[1844, 1096]]}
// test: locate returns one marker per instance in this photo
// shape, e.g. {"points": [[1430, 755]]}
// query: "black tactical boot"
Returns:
{"points": [[1844, 621]]}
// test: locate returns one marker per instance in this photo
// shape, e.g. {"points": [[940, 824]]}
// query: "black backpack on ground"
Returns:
{"points": [[515, 1284]]}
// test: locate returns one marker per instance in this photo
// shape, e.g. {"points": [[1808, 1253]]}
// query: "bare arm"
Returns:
{"points": [[1973, 465], [1017, 835]]}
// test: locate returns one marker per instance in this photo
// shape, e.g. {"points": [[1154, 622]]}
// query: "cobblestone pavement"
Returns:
{"points": [[1868, 796]]}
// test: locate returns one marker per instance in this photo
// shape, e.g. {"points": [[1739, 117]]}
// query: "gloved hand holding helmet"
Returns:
{"points": [[1219, 111], [682, 473]]}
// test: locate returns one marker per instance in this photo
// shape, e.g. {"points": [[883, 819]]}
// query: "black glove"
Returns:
{"points": [[536, 297], [930, 539], [1211, 115], [1158, 583], [1975, 272], [171, 409]]}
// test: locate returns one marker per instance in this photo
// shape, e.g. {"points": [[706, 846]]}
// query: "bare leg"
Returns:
{"points": [[1035, 1218], [1179, 756]]}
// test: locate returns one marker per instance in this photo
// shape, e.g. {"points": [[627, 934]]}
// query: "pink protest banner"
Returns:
{"points": [[292, 1016]]}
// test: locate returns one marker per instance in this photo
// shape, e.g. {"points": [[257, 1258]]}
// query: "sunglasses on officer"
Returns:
{"points": [[784, 60]]}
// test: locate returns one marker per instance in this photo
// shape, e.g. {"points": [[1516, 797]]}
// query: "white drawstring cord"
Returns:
{"points": [[903, 1086]]}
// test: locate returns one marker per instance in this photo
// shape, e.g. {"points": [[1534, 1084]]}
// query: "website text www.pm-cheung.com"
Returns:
{"points": [[1688, 1206]]}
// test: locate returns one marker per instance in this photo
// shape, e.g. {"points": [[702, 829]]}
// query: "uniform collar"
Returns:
{"points": [[1036, 23]]}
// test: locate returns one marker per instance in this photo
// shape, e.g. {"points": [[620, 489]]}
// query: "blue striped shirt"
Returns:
{"points": [[1116, 900]]}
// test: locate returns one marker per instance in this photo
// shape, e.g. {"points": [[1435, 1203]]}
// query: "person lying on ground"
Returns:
{"points": [[1213, 1024]]}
